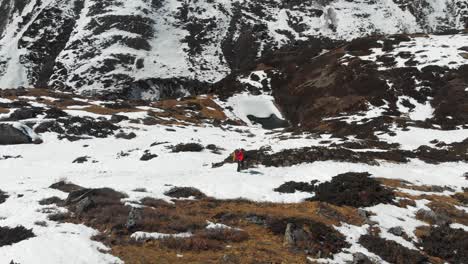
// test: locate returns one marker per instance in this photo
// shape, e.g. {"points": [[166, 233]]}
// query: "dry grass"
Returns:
{"points": [[4, 110], [192, 110], [96, 109], [261, 247], [254, 243]]}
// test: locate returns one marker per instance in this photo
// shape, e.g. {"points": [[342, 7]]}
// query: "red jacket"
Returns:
{"points": [[240, 155]]}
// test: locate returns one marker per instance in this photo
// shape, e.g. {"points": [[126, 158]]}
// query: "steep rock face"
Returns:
{"points": [[162, 48]]}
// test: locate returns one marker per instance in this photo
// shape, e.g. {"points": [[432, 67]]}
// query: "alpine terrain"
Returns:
{"points": [[246, 131]]}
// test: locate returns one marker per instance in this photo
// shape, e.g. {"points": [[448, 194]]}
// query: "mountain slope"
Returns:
{"points": [[167, 48]]}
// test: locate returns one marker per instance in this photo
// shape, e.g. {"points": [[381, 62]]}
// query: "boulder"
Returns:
{"points": [[148, 156], [3, 197], [134, 216], [17, 133], [124, 135], [189, 147], [397, 231], [360, 258], [83, 205]]}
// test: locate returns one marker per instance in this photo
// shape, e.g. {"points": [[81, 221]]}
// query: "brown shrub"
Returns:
{"points": [[169, 221], [58, 217], [447, 243], [391, 251], [156, 203], [114, 215], [225, 235], [9, 236], [190, 244], [51, 200]]}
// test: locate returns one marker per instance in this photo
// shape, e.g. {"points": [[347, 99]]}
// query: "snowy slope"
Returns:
{"points": [[27, 179], [149, 47]]}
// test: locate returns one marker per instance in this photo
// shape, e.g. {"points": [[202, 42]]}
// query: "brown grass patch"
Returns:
{"points": [[96, 109], [261, 247], [192, 110], [4, 110], [253, 243]]}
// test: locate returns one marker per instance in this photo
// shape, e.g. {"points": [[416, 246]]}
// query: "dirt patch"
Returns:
{"points": [[447, 243], [10, 236], [353, 189], [391, 251]]}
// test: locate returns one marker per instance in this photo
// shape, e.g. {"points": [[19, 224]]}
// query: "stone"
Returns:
{"points": [[124, 135], [397, 231], [134, 216], [83, 205], [17, 133]]}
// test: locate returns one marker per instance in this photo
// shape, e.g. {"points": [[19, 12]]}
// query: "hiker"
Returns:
{"points": [[239, 156]]}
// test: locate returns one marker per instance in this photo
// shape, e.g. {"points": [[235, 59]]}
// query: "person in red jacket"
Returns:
{"points": [[239, 156]]}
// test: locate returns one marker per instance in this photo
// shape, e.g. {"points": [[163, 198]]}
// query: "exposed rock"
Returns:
{"points": [[83, 205], [49, 126], [24, 113], [360, 258], [10, 236], [397, 231], [185, 192], [314, 238], [98, 197], [51, 200], [3, 197], [189, 147], [271, 122], [433, 217], [148, 156], [214, 149], [134, 216], [17, 133], [230, 259], [6, 157], [353, 189], [66, 187], [118, 118], [81, 159], [72, 138], [158, 143], [124, 135], [391, 251], [79, 126]]}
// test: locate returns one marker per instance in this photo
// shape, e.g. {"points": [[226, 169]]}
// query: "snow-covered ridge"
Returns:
{"points": [[123, 46]]}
